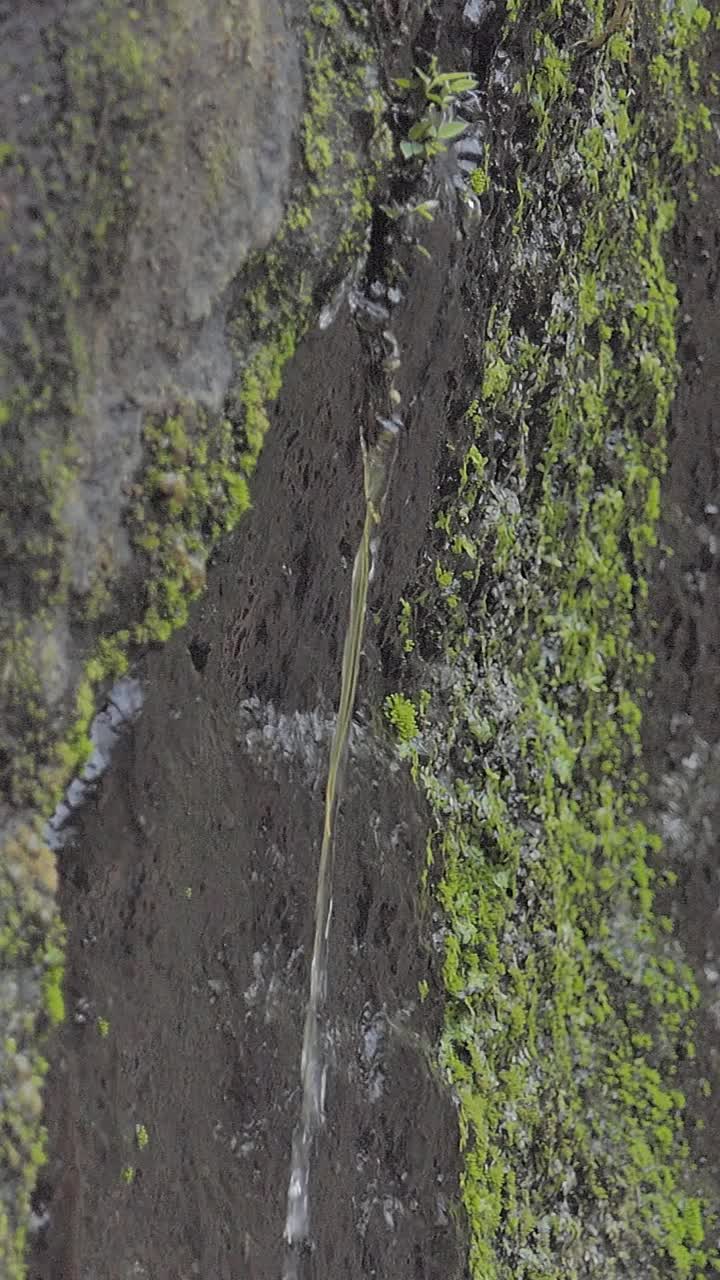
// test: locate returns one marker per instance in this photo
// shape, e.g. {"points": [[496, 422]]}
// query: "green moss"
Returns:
{"points": [[261, 383], [53, 995], [479, 182], [318, 152], [569, 1008], [29, 943], [299, 217], [110, 74], [340, 82], [326, 14], [401, 715]]}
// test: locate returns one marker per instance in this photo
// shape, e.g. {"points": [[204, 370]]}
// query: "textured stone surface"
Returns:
{"points": [[179, 184]]}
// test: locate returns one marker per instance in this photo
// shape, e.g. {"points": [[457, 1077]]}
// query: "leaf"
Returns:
{"points": [[410, 149], [451, 129], [456, 81], [426, 210]]}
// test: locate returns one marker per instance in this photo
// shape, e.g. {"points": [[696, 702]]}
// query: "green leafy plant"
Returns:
{"points": [[430, 135], [437, 127], [440, 87]]}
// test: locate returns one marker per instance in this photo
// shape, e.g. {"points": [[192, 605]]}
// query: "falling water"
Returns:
{"points": [[377, 463]]}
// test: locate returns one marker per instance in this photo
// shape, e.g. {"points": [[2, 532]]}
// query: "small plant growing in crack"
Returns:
{"points": [[438, 126], [443, 145]]}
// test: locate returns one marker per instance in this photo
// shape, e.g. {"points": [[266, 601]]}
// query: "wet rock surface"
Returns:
{"points": [[188, 886], [175, 187], [128, 209], [188, 890], [682, 718]]}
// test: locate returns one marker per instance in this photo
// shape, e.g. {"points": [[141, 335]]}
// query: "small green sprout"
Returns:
{"points": [[141, 1136], [103, 1027], [405, 626], [437, 127], [440, 87], [128, 1174], [431, 135], [425, 209]]}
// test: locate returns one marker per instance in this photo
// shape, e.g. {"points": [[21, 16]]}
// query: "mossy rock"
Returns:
{"points": [[177, 190]]}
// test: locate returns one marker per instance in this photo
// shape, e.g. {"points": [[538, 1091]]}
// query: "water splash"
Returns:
{"points": [[124, 704], [297, 741]]}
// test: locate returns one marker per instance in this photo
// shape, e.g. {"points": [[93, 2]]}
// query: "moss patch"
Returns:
{"points": [[111, 84], [569, 1006], [31, 964]]}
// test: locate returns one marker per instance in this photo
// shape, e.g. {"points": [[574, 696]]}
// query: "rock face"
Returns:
{"points": [[148, 155], [179, 184], [184, 190]]}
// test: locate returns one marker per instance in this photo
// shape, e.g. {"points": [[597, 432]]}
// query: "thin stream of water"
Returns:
{"points": [[377, 466]]}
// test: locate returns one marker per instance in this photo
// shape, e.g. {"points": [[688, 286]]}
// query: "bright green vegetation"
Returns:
{"points": [[189, 496], [31, 941], [436, 127], [401, 715], [569, 1007]]}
